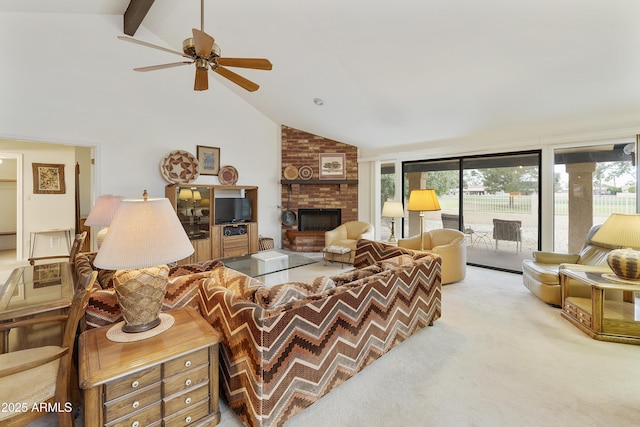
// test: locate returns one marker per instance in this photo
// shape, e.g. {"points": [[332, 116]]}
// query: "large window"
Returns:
{"points": [[590, 183], [493, 199]]}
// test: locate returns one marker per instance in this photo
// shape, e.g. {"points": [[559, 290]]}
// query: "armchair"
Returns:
{"points": [[449, 244], [347, 235], [540, 274], [508, 230], [43, 374], [453, 221]]}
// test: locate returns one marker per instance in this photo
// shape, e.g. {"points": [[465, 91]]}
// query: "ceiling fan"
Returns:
{"points": [[205, 54]]}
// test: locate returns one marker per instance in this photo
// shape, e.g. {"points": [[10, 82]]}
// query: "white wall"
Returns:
{"points": [[56, 88]]}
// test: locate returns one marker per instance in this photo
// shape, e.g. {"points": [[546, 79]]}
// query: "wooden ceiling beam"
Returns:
{"points": [[135, 13]]}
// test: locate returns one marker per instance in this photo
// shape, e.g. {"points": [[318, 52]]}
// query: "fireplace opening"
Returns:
{"points": [[319, 219]]}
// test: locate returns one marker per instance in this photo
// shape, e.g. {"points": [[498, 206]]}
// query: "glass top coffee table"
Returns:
{"points": [[267, 262]]}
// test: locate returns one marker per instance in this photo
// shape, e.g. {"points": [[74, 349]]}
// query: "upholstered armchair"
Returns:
{"points": [[540, 274], [449, 244], [347, 235]]}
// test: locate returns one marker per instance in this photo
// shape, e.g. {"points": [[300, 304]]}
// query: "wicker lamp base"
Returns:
{"points": [[140, 294], [625, 263]]}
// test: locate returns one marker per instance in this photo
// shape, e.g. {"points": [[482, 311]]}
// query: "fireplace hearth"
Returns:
{"points": [[319, 219]]}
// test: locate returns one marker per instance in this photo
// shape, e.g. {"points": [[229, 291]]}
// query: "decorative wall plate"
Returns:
{"points": [[179, 167], [305, 172], [290, 172], [228, 175]]}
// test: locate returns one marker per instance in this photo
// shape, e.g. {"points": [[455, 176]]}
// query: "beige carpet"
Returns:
{"points": [[497, 357]]}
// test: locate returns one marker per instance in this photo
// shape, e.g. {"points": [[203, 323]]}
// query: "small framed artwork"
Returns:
{"points": [[48, 178], [332, 166], [209, 160]]}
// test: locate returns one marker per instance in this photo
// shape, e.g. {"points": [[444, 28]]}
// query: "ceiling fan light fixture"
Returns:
{"points": [[202, 64]]}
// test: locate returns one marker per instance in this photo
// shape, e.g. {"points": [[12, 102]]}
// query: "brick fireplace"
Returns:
{"points": [[303, 149]]}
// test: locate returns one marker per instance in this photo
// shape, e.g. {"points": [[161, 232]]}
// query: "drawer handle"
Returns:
{"points": [[187, 363], [187, 400], [187, 383], [135, 384], [136, 404], [187, 420], [135, 424]]}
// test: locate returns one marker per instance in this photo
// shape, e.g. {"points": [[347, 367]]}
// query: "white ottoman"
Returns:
{"points": [[344, 254]]}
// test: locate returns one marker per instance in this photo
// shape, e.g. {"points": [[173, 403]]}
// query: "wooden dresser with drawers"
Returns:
{"points": [[170, 379]]}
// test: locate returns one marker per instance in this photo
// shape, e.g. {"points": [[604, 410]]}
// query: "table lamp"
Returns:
{"points": [[423, 201], [143, 237], [392, 210], [622, 230], [102, 213]]}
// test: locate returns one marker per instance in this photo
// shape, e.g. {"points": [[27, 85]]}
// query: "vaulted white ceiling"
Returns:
{"points": [[410, 71]]}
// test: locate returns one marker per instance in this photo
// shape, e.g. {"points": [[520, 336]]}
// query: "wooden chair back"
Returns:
{"points": [[76, 247]]}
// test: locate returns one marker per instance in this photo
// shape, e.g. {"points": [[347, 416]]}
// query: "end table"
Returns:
{"points": [[600, 318], [169, 379]]}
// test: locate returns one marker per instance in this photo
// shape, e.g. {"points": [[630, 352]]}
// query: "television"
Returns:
{"points": [[232, 209]]}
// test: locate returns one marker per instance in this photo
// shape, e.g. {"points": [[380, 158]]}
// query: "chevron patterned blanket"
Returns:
{"points": [[286, 346]]}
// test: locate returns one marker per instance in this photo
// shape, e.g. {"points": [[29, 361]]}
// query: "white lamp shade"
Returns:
{"points": [[103, 210], [393, 209], [196, 195], [423, 200], [143, 233]]}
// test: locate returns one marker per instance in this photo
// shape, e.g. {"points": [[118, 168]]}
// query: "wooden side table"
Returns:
{"points": [[601, 319], [170, 379]]}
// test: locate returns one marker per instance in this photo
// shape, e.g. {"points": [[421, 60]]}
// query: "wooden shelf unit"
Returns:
{"points": [[198, 217]]}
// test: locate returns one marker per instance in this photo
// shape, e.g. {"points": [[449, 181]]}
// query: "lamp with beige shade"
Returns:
{"points": [[102, 213], [393, 210], [143, 237], [622, 230]]}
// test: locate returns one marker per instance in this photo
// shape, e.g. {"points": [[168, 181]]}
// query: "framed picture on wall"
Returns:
{"points": [[209, 160], [48, 178], [332, 166]]}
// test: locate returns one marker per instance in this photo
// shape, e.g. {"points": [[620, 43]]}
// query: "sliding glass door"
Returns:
{"points": [[493, 199]]}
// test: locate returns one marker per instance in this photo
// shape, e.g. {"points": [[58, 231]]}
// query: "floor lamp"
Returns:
{"points": [[423, 201]]}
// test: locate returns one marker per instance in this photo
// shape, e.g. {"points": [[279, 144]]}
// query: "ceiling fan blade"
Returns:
{"points": [[202, 80], [237, 79], [162, 66], [140, 42], [203, 43], [256, 63]]}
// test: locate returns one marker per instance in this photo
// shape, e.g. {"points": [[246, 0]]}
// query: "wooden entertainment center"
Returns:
{"points": [[195, 206]]}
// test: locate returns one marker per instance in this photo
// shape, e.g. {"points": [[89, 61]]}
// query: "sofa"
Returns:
{"points": [[540, 274], [450, 244], [103, 308], [347, 235], [285, 346]]}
